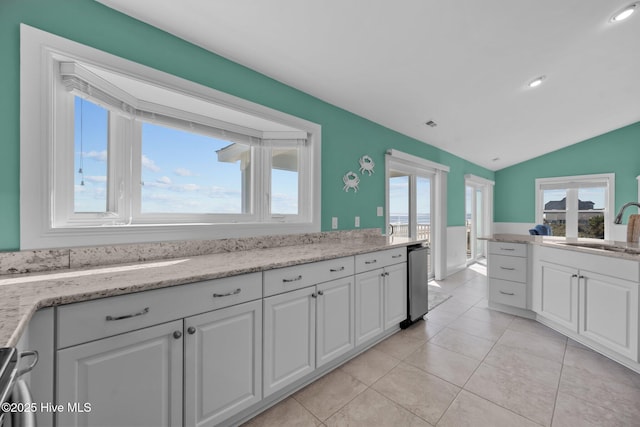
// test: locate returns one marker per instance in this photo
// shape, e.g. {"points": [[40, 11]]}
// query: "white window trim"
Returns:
{"points": [[487, 205], [412, 164], [607, 180], [37, 124]]}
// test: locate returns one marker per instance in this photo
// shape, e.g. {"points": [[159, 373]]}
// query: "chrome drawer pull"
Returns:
{"points": [[128, 316], [507, 268], [507, 249], [396, 256], [507, 293], [236, 292], [371, 262], [295, 279], [334, 270]]}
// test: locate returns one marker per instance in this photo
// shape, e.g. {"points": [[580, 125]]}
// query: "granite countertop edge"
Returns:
{"points": [[561, 243], [24, 294]]}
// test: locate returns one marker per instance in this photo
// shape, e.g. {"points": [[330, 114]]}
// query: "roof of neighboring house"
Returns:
{"points": [[560, 205]]}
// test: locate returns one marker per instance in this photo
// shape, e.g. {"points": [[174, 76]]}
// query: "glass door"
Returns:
{"points": [[476, 220], [410, 196]]}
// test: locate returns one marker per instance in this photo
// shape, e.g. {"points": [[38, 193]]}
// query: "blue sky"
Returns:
{"points": [[180, 170], [399, 196]]}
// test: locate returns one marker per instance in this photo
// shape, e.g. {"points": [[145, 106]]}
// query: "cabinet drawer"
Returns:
{"points": [[299, 276], [508, 268], [509, 293], [511, 249], [373, 260], [91, 320]]}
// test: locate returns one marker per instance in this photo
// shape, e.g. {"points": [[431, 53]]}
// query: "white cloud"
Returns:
{"points": [[101, 156], [183, 172], [96, 178], [147, 163], [164, 180]]}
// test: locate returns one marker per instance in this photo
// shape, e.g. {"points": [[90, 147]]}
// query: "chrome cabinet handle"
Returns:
{"points": [[295, 279], [177, 335], [236, 292], [507, 268], [320, 293], [28, 353], [396, 256], [506, 293], [574, 275], [507, 249], [314, 295], [128, 316], [371, 262], [191, 330], [333, 270]]}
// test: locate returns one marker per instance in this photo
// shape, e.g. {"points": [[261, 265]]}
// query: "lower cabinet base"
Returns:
{"points": [[631, 364], [280, 395], [509, 309]]}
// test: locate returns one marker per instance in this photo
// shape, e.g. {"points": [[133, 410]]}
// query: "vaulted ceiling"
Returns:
{"points": [[464, 64]]}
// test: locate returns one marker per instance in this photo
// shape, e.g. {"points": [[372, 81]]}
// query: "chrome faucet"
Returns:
{"points": [[626, 205]]}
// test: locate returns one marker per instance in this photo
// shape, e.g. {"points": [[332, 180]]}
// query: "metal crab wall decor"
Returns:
{"points": [[366, 165], [350, 180]]}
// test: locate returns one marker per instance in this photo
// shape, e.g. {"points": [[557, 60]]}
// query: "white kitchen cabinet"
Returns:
{"points": [[223, 363], [306, 329], [558, 294], [369, 305], [289, 338], [133, 379], [395, 295], [381, 292], [508, 274], [609, 312], [592, 296], [335, 319]]}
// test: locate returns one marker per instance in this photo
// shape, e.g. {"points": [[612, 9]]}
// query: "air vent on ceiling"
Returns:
{"points": [[431, 123]]}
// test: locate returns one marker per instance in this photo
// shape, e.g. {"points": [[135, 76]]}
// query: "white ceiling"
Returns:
{"points": [[464, 64]]}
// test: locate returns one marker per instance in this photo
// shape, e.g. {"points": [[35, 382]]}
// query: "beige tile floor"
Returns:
{"points": [[467, 365]]}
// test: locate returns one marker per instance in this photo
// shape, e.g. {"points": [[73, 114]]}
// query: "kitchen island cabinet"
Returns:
{"points": [[593, 297]]}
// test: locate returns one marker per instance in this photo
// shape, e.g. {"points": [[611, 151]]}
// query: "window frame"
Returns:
{"points": [[573, 184], [47, 137]]}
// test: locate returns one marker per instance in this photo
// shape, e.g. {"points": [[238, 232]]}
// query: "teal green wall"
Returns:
{"points": [[345, 136], [614, 152]]}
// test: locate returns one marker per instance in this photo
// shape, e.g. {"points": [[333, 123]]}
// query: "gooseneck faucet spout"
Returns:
{"points": [[626, 205]]}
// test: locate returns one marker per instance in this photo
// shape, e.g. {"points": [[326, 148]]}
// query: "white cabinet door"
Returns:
{"points": [[610, 312], [133, 379], [558, 288], [369, 310], [395, 295], [289, 338], [335, 320], [223, 363]]}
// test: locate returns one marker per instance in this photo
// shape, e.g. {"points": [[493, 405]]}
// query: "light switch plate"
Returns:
{"points": [[380, 211], [357, 221], [334, 222]]}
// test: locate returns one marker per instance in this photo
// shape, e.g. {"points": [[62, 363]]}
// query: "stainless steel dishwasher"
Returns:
{"points": [[18, 408], [417, 283]]}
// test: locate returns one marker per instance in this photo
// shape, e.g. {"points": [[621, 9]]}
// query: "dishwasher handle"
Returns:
{"points": [[29, 353]]}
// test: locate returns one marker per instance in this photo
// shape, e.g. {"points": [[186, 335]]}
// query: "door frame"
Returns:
{"points": [[413, 165], [486, 188]]}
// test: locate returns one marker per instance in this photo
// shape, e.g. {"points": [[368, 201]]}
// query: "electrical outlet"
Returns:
{"points": [[334, 222], [357, 221], [380, 211]]}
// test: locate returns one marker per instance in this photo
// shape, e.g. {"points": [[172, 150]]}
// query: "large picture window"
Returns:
{"points": [[128, 154], [576, 206]]}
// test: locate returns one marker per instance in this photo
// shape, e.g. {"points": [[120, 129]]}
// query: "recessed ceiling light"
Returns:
{"points": [[495, 159], [624, 13], [537, 81]]}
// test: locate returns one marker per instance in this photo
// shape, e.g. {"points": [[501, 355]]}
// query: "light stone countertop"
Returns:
{"points": [[621, 250], [23, 294]]}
